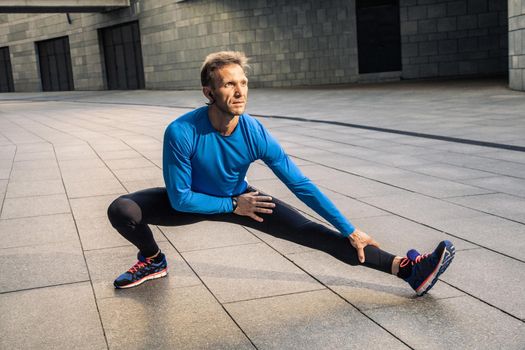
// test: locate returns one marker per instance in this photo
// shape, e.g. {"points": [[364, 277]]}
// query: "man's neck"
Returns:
{"points": [[224, 123]]}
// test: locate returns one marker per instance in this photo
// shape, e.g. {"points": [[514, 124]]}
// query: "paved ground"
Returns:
{"points": [[65, 156]]}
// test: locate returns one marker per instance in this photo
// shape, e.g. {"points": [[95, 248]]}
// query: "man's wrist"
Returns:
{"points": [[234, 203]]}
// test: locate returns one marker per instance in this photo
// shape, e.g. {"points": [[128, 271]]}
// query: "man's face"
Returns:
{"points": [[230, 89]]}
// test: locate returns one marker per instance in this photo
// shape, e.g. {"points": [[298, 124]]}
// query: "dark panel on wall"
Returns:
{"points": [[378, 36], [55, 64], [6, 74], [123, 56]]}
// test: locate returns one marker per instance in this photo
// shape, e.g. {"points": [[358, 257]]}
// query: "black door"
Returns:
{"points": [[6, 74], [55, 64], [378, 36], [123, 56]]}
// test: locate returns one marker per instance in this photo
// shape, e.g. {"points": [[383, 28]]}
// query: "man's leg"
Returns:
{"points": [[287, 223], [420, 271], [130, 215]]}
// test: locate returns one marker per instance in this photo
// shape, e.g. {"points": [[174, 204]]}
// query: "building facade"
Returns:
{"points": [[161, 44]]}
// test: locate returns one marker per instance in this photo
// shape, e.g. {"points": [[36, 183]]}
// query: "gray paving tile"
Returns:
{"points": [[133, 186], [494, 278], [455, 323], [97, 233], [41, 265], [397, 235], [480, 163], [7, 151], [120, 154], [420, 208], [358, 187], [448, 172], [108, 145], [150, 172], [207, 234], [363, 287], [283, 246], [3, 187], [50, 318], [191, 319], [37, 230], [498, 234], [97, 187], [311, 320], [399, 160], [43, 155], [34, 188], [92, 207], [504, 205], [4, 173], [34, 147], [352, 208], [518, 157], [34, 206], [130, 163], [35, 164], [107, 264], [505, 184], [79, 164], [88, 174], [35, 174], [259, 172], [248, 272], [424, 184], [272, 187], [77, 151]]}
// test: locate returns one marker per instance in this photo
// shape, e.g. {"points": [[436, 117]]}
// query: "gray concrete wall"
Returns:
{"points": [[451, 38], [517, 44], [290, 42], [23, 30]]}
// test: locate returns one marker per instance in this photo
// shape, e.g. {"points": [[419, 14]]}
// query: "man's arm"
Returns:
{"points": [[286, 170], [177, 177]]}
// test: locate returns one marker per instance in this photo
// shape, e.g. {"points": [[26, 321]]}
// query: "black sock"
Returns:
{"points": [[405, 269], [159, 257]]}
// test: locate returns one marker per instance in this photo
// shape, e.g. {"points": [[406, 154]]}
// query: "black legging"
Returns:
{"points": [[130, 214]]}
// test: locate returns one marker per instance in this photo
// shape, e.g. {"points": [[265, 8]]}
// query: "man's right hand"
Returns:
{"points": [[250, 203]]}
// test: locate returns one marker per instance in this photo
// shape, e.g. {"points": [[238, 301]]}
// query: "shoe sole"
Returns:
{"points": [[153, 276], [444, 262]]}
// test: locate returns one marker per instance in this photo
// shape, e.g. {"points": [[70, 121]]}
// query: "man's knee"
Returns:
{"points": [[123, 212]]}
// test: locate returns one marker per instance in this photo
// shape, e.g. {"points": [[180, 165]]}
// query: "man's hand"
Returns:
{"points": [[248, 204], [359, 240]]}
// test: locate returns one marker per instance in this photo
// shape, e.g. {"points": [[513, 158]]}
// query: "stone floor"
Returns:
{"points": [[410, 163]]}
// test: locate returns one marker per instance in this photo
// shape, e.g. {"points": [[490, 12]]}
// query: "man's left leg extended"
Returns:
{"points": [[421, 271]]}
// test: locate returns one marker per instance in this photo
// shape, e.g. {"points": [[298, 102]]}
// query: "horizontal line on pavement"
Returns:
{"points": [[404, 132], [43, 287]]}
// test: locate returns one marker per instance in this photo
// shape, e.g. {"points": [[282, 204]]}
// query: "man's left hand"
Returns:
{"points": [[359, 240]]}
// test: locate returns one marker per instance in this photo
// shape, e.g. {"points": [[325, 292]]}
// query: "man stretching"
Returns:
{"points": [[206, 155]]}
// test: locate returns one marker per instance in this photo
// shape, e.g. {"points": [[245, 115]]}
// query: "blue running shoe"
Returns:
{"points": [[143, 270], [428, 267]]}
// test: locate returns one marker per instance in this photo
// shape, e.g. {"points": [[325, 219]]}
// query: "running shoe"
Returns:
{"points": [[428, 267], [143, 270]]}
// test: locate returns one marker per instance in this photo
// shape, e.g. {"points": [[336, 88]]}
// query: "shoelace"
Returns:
{"points": [[138, 265], [413, 257], [420, 257]]}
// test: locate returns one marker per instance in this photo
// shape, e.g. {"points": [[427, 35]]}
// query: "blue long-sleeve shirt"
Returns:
{"points": [[204, 169]]}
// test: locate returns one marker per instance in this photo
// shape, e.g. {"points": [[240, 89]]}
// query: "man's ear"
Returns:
{"points": [[206, 90]]}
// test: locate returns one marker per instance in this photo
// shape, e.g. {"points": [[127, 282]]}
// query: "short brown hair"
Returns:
{"points": [[219, 59]]}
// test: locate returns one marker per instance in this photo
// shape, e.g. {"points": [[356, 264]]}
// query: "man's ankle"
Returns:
{"points": [[154, 256], [395, 265]]}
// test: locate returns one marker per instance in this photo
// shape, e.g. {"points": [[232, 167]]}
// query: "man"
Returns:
{"points": [[206, 155]]}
